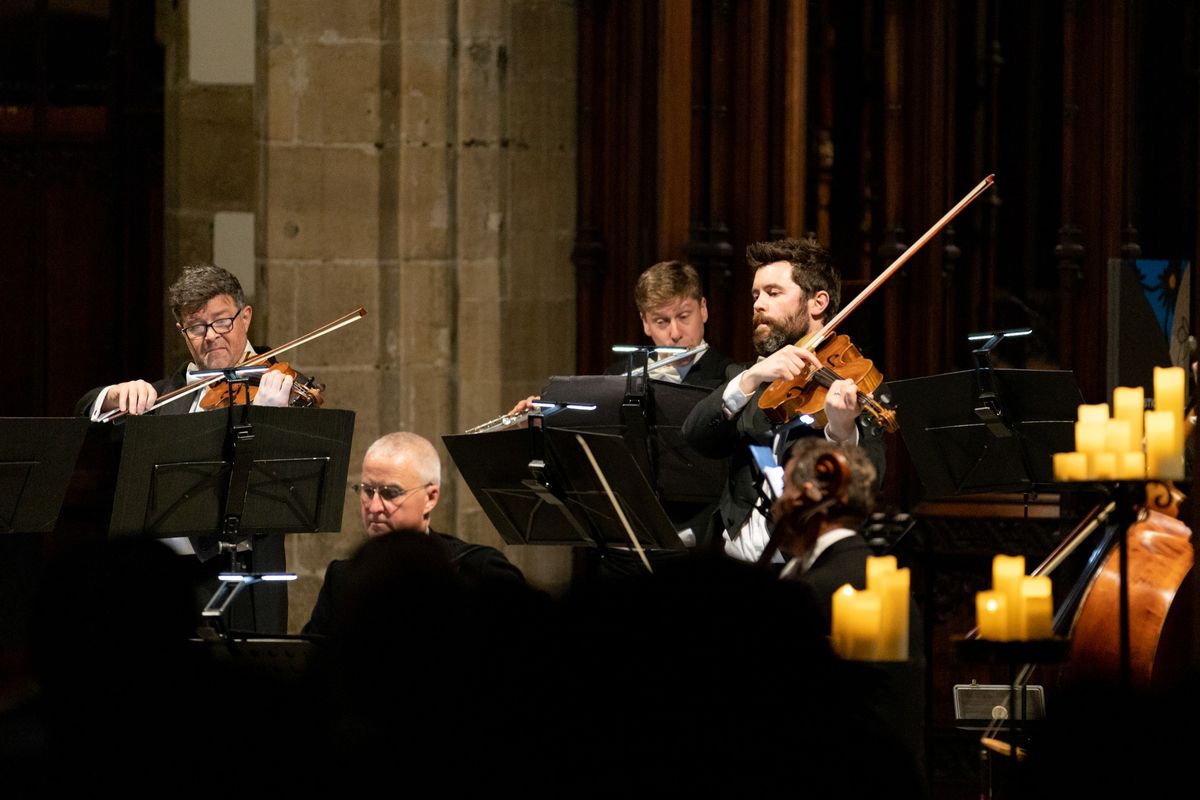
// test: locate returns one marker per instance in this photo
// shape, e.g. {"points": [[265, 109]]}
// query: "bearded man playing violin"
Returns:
{"points": [[212, 316], [796, 288]]}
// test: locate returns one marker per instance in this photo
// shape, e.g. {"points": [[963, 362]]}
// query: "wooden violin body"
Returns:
{"points": [[784, 400], [306, 392]]}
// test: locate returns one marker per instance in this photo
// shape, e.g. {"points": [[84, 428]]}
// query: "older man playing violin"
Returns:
{"points": [[796, 288], [212, 316]]}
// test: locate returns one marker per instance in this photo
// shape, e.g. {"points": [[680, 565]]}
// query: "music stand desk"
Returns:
{"points": [[37, 459], [955, 452]]}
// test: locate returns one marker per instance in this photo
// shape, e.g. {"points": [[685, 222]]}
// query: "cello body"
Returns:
{"points": [[1160, 559]]}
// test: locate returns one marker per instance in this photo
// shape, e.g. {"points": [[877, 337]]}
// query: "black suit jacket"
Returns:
{"points": [[479, 567], [891, 692], [712, 434], [844, 561]]}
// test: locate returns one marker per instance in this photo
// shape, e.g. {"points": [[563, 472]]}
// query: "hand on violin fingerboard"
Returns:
{"points": [[131, 397], [274, 389], [784, 364], [841, 410]]}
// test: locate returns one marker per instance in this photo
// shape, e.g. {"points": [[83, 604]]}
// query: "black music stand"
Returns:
{"points": [[965, 436], [546, 492], [37, 459], [174, 473], [204, 476], [677, 472]]}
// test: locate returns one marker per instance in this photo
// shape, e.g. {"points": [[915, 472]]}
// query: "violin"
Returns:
{"points": [[786, 399], [264, 358], [306, 392], [783, 401]]}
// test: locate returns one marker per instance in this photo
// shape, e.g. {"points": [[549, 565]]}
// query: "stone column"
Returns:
{"points": [[418, 158]]}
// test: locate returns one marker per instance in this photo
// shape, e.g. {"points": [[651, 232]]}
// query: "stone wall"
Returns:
{"points": [[417, 158]]}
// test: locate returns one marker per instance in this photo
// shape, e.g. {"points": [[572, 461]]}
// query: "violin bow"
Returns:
{"points": [[814, 341], [262, 358]]}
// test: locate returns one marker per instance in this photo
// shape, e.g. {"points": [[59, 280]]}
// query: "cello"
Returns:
{"points": [[1148, 564]]}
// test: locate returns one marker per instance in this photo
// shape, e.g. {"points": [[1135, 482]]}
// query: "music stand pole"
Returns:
{"points": [[240, 452]]}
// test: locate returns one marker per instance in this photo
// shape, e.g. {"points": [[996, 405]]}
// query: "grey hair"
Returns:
{"points": [[415, 449], [200, 283]]}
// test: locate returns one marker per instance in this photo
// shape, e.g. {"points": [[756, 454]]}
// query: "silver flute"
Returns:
{"points": [[508, 420]]}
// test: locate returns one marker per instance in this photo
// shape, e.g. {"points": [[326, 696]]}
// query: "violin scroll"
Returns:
{"points": [[799, 512]]}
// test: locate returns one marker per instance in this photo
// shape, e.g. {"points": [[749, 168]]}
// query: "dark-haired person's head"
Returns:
{"points": [[211, 314], [796, 288], [817, 469]]}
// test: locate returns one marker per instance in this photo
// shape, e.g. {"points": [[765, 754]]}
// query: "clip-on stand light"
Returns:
{"points": [[989, 409]]}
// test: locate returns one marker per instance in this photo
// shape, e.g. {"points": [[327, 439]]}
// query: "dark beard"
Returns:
{"points": [[778, 335]]}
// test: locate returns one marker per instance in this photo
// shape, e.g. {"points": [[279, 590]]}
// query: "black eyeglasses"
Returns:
{"points": [[388, 493], [223, 325]]}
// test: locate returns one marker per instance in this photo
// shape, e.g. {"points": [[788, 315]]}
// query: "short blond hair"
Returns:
{"points": [[664, 282]]}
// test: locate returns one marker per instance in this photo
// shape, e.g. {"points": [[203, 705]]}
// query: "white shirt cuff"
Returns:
{"points": [[733, 399], [853, 440], [95, 415]]}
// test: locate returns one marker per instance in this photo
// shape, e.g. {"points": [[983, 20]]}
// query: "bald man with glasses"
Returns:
{"points": [[400, 487]]}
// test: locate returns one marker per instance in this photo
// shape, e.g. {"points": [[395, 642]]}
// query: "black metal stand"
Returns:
{"points": [[1017, 656], [239, 452]]}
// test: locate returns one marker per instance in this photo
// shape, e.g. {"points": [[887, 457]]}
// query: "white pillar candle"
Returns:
{"points": [[1164, 452], [1071, 466], [1007, 572], [991, 616], [893, 624], [1169, 387], [1131, 466], [1129, 403], [1037, 608], [877, 567]]}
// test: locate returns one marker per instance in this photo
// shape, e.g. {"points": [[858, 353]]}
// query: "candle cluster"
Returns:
{"points": [[1019, 607], [872, 625], [1133, 444]]}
